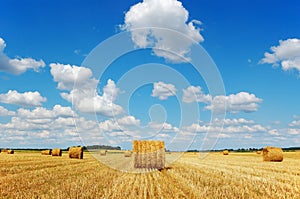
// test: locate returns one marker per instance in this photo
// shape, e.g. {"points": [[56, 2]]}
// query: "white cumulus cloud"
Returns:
{"points": [[22, 99], [195, 94], [5, 112], [150, 23], [234, 103], [82, 90], [286, 54], [163, 90], [17, 66]]}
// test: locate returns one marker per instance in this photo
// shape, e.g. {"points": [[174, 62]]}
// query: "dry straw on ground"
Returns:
{"points": [[258, 152], [76, 152], [225, 152], [273, 154], [10, 151], [56, 152], [103, 152], [46, 152], [149, 154], [127, 154]]}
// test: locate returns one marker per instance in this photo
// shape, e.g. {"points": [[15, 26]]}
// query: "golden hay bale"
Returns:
{"points": [[103, 152], [56, 152], [273, 154], [10, 151], [46, 152], [76, 152], [258, 152], [225, 152], [4, 150], [149, 154], [127, 154]]}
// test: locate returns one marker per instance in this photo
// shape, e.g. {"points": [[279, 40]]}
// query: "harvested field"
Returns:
{"points": [[239, 175]]}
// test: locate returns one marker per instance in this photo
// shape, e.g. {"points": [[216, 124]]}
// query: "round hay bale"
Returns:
{"points": [[4, 150], [103, 152], [56, 152], [46, 152], [127, 154], [225, 152], [76, 152], [10, 151], [272, 154], [258, 152]]}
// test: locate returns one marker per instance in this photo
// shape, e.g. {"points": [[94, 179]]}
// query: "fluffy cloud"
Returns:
{"points": [[42, 127], [150, 23], [163, 90], [235, 103], [17, 65], [295, 123], [287, 54], [5, 112], [195, 94], [69, 76], [22, 99], [82, 87]]}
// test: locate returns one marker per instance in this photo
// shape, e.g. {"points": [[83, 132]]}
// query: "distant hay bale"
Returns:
{"points": [[46, 152], [225, 152], [127, 154], [258, 152], [103, 152], [10, 151], [76, 152], [56, 152], [149, 154], [273, 154], [4, 150]]}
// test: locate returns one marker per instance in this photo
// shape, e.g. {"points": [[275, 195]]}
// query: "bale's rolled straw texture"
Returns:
{"points": [[76, 152], [149, 154], [127, 154], [56, 152], [225, 152], [10, 151], [46, 152], [103, 152], [273, 154]]}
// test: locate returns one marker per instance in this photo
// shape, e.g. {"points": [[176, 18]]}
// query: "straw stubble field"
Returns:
{"points": [[238, 175]]}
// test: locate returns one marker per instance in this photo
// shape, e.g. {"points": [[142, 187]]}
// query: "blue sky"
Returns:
{"points": [[154, 91]]}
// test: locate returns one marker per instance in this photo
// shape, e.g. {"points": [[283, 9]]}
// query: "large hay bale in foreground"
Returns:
{"points": [[46, 152], [56, 152], [76, 152], [103, 152], [273, 154], [149, 154], [225, 152], [127, 154], [10, 151]]}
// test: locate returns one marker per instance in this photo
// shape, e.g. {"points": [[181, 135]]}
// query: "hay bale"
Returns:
{"points": [[56, 152], [273, 154], [149, 154], [225, 152], [103, 152], [258, 152], [10, 151], [4, 150], [46, 152], [76, 152], [127, 154]]}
